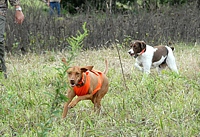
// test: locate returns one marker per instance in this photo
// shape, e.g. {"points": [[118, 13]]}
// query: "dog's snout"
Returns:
{"points": [[130, 52], [72, 82]]}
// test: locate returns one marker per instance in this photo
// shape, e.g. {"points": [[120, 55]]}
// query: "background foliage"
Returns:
{"points": [[40, 32], [74, 6]]}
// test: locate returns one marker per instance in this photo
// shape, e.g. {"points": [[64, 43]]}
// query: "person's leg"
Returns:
{"points": [[2, 47], [58, 8], [52, 6]]}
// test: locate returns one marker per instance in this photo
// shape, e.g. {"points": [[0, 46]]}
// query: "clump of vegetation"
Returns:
{"points": [[163, 106], [27, 93]]}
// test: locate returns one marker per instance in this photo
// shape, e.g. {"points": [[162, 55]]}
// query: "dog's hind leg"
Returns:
{"points": [[160, 68], [173, 68], [171, 62], [97, 105], [98, 97]]}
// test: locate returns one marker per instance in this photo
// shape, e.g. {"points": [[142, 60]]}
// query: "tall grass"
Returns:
{"points": [[163, 106]]}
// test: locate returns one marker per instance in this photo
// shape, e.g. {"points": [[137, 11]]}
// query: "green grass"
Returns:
{"points": [[163, 106]]}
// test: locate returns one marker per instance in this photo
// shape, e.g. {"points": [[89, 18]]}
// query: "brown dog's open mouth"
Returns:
{"points": [[72, 83]]}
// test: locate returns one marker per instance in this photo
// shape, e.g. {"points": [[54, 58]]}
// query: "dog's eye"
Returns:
{"points": [[131, 45], [77, 73], [135, 47], [69, 73]]}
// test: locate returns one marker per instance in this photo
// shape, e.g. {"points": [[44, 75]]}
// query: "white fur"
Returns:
{"points": [[144, 61]]}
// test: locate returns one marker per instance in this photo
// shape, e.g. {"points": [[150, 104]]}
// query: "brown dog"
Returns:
{"points": [[87, 84]]}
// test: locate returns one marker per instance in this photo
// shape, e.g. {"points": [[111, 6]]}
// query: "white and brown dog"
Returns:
{"points": [[148, 57]]}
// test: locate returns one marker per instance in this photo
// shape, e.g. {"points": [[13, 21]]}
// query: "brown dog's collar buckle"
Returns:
{"points": [[81, 82]]}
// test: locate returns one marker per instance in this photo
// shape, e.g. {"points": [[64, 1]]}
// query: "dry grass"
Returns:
{"points": [[163, 106]]}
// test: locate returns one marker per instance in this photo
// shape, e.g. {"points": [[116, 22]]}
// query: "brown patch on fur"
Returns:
{"points": [[161, 51]]}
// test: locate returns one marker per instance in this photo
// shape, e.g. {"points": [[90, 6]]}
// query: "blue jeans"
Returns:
{"points": [[55, 5]]}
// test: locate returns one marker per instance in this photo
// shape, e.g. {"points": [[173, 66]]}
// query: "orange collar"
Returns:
{"points": [[83, 89], [81, 82], [142, 51], [138, 54]]}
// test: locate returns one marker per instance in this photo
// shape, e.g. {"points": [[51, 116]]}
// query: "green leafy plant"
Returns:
{"points": [[76, 43]]}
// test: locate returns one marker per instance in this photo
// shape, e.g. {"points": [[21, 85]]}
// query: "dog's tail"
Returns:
{"points": [[173, 49], [106, 69], [170, 45]]}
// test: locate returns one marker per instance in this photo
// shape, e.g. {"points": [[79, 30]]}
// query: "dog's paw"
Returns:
{"points": [[72, 104], [63, 116]]}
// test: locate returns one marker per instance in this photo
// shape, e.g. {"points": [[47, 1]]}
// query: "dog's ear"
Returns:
{"points": [[69, 70], [143, 44], [132, 43], [84, 69]]}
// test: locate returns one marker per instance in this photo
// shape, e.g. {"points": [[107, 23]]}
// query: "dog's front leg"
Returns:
{"points": [[70, 96], [146, 72], [85, 97], [138, 66]]}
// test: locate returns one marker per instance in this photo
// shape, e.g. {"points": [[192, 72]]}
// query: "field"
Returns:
{"points": [[32, 102]]}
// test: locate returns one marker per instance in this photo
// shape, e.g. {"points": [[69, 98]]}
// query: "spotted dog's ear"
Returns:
{"points": [[84, 69], [143, 44]]}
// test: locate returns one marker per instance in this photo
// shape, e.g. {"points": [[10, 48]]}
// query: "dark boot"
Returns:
{"points": [[3, 67], [2, 48]]}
